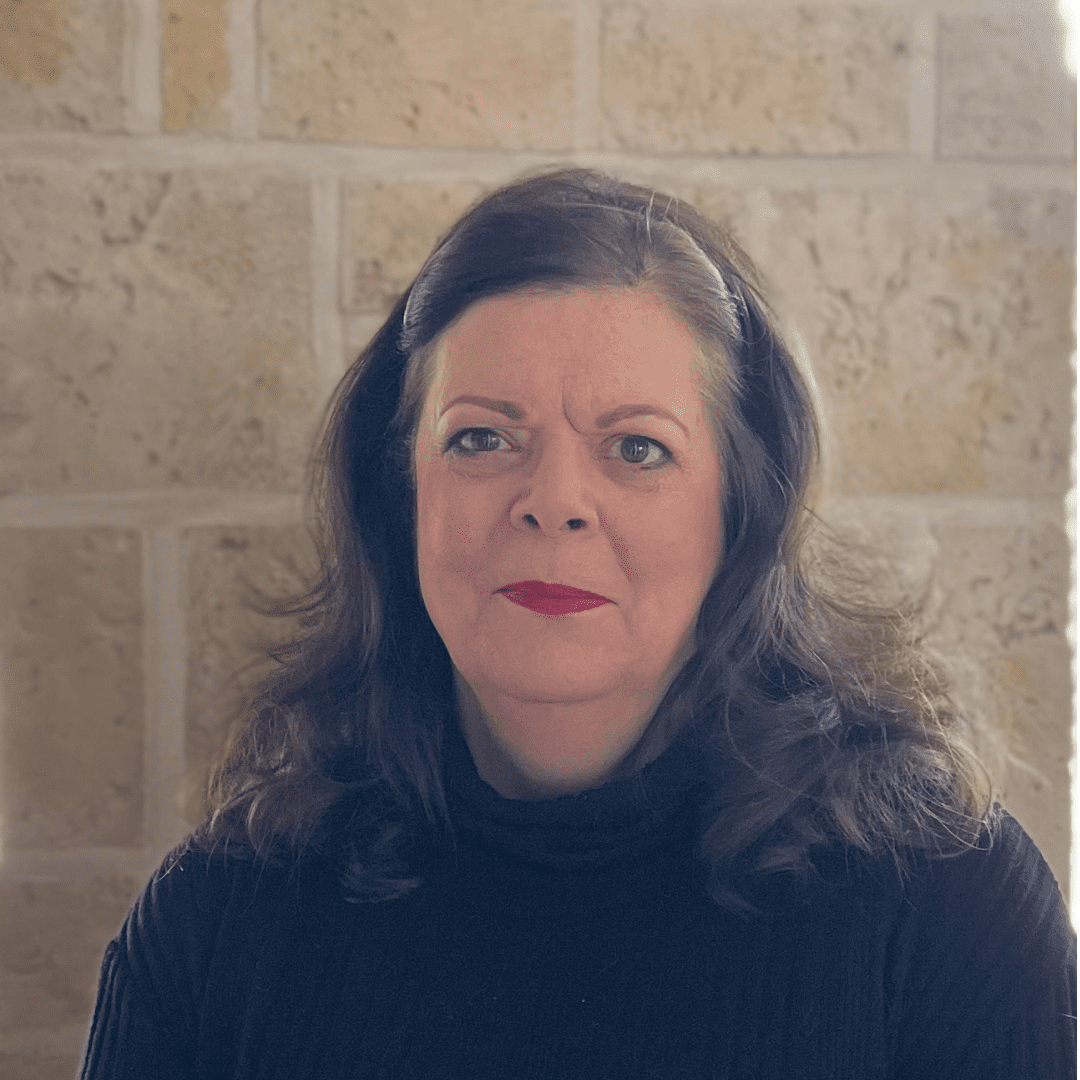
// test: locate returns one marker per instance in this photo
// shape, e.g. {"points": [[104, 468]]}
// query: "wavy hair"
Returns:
{"points": [[819, 717]]}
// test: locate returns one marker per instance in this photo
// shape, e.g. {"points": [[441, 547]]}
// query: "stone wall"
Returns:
{"points": [[206, 206]]}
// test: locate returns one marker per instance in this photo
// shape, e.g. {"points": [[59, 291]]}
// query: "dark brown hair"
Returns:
{"points": [[821, 721]]}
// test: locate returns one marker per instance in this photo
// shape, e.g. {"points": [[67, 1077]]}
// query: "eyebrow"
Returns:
{"points": [[507, 408], [625, 412], [604, 421]]}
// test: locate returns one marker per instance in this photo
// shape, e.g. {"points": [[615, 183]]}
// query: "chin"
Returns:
{"points": [[539, 689], [561, 677]]}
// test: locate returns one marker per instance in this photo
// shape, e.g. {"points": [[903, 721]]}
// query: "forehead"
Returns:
{"points": [[592, 344]]}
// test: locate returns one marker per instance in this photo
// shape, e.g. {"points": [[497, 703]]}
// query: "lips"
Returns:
{"points": [[548, 599]]}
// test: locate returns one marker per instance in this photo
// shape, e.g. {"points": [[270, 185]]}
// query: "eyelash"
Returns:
{"points": [[455, 445]]}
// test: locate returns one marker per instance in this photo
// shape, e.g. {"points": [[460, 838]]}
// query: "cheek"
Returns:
{"points": [[449, 537], [431, 528], [675, 544]]}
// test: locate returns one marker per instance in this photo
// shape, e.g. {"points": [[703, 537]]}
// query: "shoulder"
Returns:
{"points": [[189, 890], [989, 913], [195, 904], [187, 954], [984, 963], [1000, 886], [167, 937]]}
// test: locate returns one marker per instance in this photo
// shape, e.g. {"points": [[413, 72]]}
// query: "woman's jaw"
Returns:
{"points": [[530, 749]]}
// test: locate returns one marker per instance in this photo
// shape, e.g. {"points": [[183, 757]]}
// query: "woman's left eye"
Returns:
{"points": [[472, 441], [638, 450]]}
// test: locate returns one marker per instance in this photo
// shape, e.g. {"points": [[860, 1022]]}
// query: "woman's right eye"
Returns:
{"points": [[475, 441]]}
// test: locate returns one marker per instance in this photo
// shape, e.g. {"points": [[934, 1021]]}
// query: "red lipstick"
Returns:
{"points": [[546, 599]]}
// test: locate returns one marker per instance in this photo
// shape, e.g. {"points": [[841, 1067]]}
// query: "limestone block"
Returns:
{"points": [[196, 70], [708, 78], [388, 232], [1002, 88], [52, 937], [1000, 611], [62, 65], [233, 574], [155, 331], [428, 73], [39, 1066], [72, 723], [938, 327]]}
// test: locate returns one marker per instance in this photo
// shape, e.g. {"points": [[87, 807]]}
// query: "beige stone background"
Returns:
{"points": [[207, 206]]}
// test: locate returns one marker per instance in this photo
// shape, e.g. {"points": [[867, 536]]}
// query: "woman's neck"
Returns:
{"points": [[541, 750]]}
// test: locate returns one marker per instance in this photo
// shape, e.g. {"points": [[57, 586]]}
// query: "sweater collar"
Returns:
{"points": [[622, 820]]}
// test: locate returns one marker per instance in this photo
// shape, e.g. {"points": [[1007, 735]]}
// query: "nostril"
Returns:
{"points": [[530, 520], [576, 523]]}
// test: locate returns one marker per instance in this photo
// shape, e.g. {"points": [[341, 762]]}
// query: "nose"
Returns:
{"points": [[558, 496]]}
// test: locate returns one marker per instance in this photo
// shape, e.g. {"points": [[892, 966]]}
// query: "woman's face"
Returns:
{"points": [[564, 441]]}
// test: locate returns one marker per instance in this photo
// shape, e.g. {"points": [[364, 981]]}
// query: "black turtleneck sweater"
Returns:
{"points": [[573, 940]]}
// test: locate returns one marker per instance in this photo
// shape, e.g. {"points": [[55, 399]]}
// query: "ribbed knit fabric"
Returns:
{"points": [[573, 940]]}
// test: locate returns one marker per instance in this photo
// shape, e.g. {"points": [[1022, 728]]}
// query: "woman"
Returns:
{"points": [[573, 773]]}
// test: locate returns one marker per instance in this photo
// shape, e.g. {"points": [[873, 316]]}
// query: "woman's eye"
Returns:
{"points": [[475, 441], [638, 450]]}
